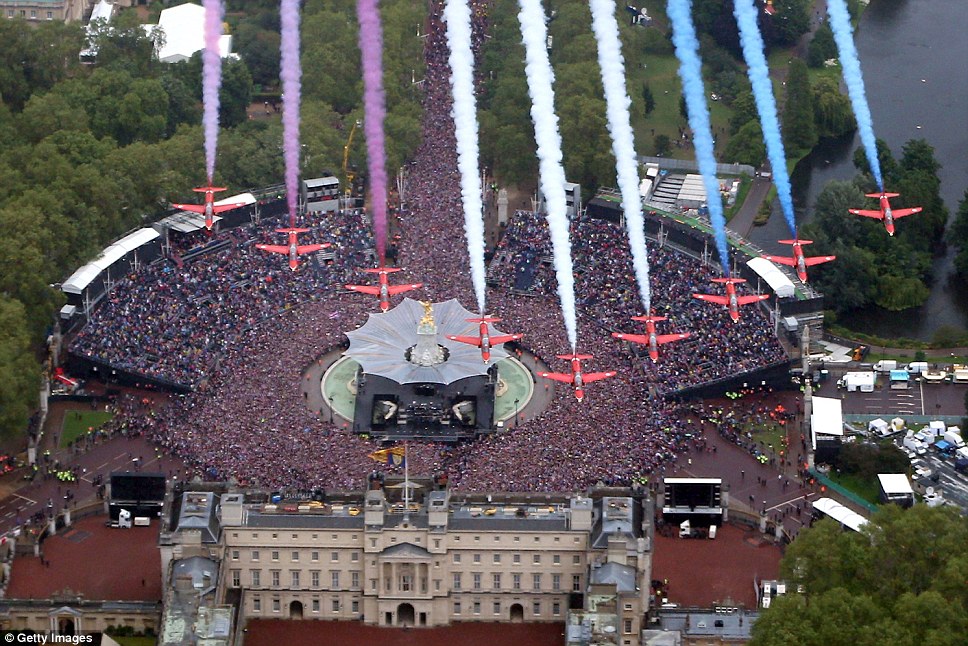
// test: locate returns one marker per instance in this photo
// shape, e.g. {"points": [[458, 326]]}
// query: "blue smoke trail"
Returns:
{"points": [[541, 79], [759, 75], [854, 79], [690, 71], [617, 103]]}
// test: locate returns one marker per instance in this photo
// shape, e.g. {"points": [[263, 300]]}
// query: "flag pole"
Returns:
{"points": [[406, 483]]}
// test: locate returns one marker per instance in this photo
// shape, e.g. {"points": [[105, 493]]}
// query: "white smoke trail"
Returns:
{"points": [[623, 141], [457, 14], [540, 81]]}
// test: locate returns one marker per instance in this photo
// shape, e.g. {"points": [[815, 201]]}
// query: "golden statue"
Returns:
{"points": [[428, 316]]}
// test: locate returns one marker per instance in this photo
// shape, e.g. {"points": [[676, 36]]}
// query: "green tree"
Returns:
{"points": [[885, 158], [235, 94], [822, 46], [832, 113], [744, 111], [260, 49], [898, 581], [18, 370], [791, 20], [663, 146], [746, 146], [647, 99], [799, 132], [958, 236]]}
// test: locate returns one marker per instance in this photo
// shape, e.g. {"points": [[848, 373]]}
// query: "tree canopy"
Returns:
{"points": [[899, 581], [94, 150], [873, 268]]}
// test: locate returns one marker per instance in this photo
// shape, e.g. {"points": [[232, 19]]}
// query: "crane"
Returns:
{"points": [[350, 175]]}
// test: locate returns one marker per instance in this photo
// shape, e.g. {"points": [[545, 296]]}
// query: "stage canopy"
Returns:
{"points": [[380, 344]]}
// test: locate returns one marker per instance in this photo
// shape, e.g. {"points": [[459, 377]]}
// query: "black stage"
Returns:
{"points": [[387, 410]]}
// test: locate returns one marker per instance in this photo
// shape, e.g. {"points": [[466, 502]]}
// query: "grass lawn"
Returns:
{"points": [[78, 422], [769, 434], [869, 490]]}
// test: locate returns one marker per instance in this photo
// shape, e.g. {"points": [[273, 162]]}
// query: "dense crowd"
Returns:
{"points": [[240, 318], [608, 294], [172, 319]]}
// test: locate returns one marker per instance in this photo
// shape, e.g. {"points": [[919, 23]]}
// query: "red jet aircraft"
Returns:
{"points": [[209, 208], [885, 213], [484, 340], [799, 261], [731, 299], [576, 377], [293, 249], [384, 289], [650, 338]]}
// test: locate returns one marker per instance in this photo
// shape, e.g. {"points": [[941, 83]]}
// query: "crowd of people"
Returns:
{"points": [[607, 293], [239, 319], [173, 318]]}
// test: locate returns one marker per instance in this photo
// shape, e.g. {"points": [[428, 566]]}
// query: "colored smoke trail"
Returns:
{"points": [[290, 72], [690, 71], [612, 64], [759, 75], [854, 79], [374, 111], [552, 176], [211, 81], [457, 14]]}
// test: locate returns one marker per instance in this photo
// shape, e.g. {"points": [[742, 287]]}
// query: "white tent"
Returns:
{"points": [[878, 426], [841, 514], [827, 417], [183, 28], [781, 285]]}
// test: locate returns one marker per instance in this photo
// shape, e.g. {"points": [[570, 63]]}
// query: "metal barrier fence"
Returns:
{"points": [[843, 491], [690, 164]]}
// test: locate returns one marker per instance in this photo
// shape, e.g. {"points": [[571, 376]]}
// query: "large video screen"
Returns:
{"points": [[138, 486]]}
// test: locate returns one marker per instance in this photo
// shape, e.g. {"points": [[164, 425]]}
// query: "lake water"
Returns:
{"points": [[914, 56]]}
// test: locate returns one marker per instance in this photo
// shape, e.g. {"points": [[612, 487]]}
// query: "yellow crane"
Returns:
{"points": [[349, 174]]}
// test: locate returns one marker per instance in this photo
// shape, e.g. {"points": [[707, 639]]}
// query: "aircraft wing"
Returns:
{"points": [[309, 248], [783, 260], [505, 338], [816, 260], [746, 300], [472, 340], [222, 208], [669, 338], [558, 376], [633, 338], [710, 298], [192, 208], [273, 248], [868, 214], [393, 290], [900, 213], [364, 289], [597, 376]]}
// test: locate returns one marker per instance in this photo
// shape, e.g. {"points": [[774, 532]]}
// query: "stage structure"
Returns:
{"points": [[415, 383]]}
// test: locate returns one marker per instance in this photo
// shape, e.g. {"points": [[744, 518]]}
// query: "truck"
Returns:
{"points": [[885, 365], [917, 367], [912, 443], [953, 437], [859, 381], [959, 373]]}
